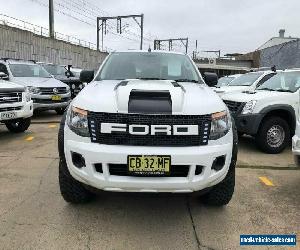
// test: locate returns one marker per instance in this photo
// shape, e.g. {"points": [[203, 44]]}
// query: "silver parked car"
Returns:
{"points": [[47, 93]]}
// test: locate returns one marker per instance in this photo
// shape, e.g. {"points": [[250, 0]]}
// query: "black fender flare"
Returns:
{"points": [[285, 107], [61, 135]]}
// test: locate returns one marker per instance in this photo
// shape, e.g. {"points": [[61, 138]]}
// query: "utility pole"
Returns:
{"points": [[102, 26], [184, 41], [51, 19], [195, 51]]}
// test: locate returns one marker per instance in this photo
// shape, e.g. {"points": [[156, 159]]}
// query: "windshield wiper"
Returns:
{"points": [[186, 80], [284, 90], [267, 89], [150, 78]]}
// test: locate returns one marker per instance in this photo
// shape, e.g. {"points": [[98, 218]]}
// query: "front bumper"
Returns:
{"points": [[44, 102], [94, 153], [247, 124], [26, 110], [296, 149]]}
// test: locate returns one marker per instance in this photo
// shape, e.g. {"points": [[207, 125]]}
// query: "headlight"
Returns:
{"points": [[220, 125], [34, 90], [68, 89], [27, 95], [78, 122], [249, 107]]}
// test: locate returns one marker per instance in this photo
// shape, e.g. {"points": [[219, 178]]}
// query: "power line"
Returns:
{"points": [[81, 17]]}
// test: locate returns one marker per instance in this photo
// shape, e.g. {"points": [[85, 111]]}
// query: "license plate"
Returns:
{"points": [[56, 98], [8, 115], [149, 164]]}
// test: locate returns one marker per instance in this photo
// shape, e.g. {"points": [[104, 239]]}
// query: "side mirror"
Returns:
{"points": [[86, 76], [211, 79], [3, 76]]}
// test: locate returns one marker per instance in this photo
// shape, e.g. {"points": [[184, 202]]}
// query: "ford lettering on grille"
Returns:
{"points": [[139, 129], [149, 130]]}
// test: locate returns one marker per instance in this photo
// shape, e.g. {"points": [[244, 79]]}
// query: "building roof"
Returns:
{"points": [[276, 41]]}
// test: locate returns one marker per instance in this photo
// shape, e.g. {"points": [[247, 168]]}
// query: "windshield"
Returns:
{"points": [[28, 70], [284, 81], [55, 70], [246, 79], [223, 81], [148, 65]]}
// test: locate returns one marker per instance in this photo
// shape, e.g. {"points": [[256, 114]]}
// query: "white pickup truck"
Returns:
{"points": [[270, 112], [16, 107], [147, 122], [246, 82]]}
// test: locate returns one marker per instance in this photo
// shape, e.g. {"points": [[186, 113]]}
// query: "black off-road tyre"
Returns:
{"points": [[262, 135], [19, 125], [71, 190], [221, 194], [60, 111]]}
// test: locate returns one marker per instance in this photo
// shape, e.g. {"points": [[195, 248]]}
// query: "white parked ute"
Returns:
{"points": [[246, 82], [270, 112], [296, 144], [16, 106], [147, 122], [47, 93]]}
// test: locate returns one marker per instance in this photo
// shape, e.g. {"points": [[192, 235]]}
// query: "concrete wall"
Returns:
{"points": [[21, 44], [284, 56]]}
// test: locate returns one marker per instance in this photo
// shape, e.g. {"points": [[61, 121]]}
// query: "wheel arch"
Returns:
{"points": [[286, 112]]}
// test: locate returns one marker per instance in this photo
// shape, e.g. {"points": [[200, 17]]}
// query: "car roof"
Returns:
{"points": [[13, 61], [146, 51]]}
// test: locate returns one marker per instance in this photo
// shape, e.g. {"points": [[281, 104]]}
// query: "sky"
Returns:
{"points": [[232, 26]]}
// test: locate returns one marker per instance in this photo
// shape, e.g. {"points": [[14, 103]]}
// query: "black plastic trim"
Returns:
{"points": [[150, 102]]}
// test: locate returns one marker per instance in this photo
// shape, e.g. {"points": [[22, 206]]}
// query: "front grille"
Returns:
{"points": [[49, 101], [124, 138], [234, 107], [10, 97], [175, 171], [53, 91], [10, 109]]}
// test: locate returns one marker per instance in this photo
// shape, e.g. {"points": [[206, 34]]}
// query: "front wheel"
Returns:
{"points": [[72, 190], [18, 126], [221, 194], [60, 111], [273, 135]]}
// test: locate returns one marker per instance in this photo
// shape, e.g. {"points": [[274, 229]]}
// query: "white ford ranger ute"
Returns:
{"points": [[147, 122], [246, 82], [270, 112], [16, 107]]}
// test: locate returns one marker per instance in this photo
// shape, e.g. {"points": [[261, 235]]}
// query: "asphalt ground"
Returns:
{"points": [[33, 214]]}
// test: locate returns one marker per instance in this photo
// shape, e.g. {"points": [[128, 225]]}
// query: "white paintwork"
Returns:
{"points": [[39, 82], [191, 99], [231, 89], [27, 107]]}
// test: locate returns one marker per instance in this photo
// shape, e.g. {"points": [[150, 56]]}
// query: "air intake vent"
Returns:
{"points": [[150, 102]]}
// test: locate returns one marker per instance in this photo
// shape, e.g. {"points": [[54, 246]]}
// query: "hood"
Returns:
{"points": [[228, 89], [123, 96], [258, 95], [39, 82], [66, 79], [10, 86]]}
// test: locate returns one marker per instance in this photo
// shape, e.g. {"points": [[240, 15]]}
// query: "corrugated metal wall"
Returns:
{"points": [[284, 56], [21, 44]]}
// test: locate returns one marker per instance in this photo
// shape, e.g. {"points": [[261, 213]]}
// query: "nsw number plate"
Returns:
{"points": [[8, 115], [56, 98], [150, 165]]}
